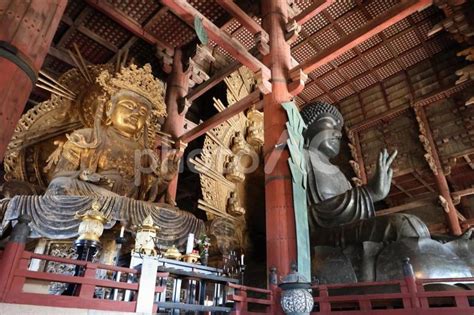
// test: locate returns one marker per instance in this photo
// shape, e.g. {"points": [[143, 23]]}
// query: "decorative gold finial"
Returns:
{"points": [[138, 80], [172, 253]]}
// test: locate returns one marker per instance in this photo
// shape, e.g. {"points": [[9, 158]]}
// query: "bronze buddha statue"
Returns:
{"points": [[337, 208], [345, 234]]}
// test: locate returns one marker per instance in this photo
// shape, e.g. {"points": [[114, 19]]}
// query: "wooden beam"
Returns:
{"points": [[399, 187], [155, 18], [311, 11], [378, 119], [425, 100], [96, 38], [188, 13], [62, 55], [457, 195], [221, 117], [126, 22], [407, 206], [243, 18], [418, 177], [127, 45], [378, 24], [213, 81], [468, 161]]}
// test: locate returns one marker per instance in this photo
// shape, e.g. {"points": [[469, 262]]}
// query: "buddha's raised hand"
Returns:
{"points": [[379, 185]]}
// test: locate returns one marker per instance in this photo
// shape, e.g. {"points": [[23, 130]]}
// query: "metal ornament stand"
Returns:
{"points": [[86, 250]]}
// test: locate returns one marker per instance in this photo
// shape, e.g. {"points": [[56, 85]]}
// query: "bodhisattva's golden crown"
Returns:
{"points": [[138, 80]]}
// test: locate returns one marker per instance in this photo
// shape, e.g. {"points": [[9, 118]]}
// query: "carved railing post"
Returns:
{"points": [[410, 281]]}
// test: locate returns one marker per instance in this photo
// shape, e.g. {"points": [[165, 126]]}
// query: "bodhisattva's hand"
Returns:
{"points": [[379, 185], [172, 165]]}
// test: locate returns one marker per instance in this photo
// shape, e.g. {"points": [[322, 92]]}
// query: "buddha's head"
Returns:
{"points": [[136, 100], [127, 113], [324, 125]]}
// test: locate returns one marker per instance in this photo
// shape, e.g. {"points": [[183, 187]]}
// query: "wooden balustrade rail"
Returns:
{"points": [[13, 283], [411, 298], [401, 297], [242, 299]]}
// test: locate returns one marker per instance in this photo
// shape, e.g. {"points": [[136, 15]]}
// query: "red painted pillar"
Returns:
{"points": [[177, 88], [443, 187], [27, 28], [279, 214]]}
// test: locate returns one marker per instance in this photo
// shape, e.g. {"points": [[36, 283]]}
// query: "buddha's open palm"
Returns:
{"points": [[379, 185]]}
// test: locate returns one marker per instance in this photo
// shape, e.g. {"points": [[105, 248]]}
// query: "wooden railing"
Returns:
{"points": [[243, 296], [15, 278], [406, 296]]}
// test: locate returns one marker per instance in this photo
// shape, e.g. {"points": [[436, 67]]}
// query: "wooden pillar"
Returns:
{"points": [[26, 31], [434, 162], [177, 88], [356, 153], [279, 213]]}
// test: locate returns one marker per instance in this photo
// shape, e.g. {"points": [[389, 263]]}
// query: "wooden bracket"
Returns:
{"points": [[203, 54], [263, 82], [297, 83], [166, 58], [183, 106], [187, 13], [292, 31], [196, 74], [261, 41]]}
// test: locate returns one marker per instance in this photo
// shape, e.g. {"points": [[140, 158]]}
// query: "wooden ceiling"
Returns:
{"points": [[374, 83]]}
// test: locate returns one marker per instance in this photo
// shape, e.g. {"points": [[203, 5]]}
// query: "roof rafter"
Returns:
{"points": [[240, 15], [308, 13], [127, 23], [378, 24]]}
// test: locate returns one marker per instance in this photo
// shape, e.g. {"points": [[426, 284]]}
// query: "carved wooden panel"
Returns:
{"points": [[452, 125]]}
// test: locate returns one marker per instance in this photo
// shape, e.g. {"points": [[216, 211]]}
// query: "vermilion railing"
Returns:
{"points": [[241, 298], [406, 296], [15, 276]]}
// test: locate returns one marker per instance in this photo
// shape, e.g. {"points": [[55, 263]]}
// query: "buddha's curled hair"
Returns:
{"points": [[314, 111]]}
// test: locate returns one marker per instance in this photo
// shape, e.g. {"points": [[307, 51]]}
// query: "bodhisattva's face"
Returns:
{"points": [[129, 116], [325, 135]]}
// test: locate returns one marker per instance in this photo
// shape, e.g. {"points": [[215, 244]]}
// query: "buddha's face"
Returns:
{"points": [[129, 115], [325, 136]]}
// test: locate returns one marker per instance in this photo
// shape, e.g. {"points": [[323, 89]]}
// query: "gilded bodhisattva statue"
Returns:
{"points": [[112, 160], [114, 157]]}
